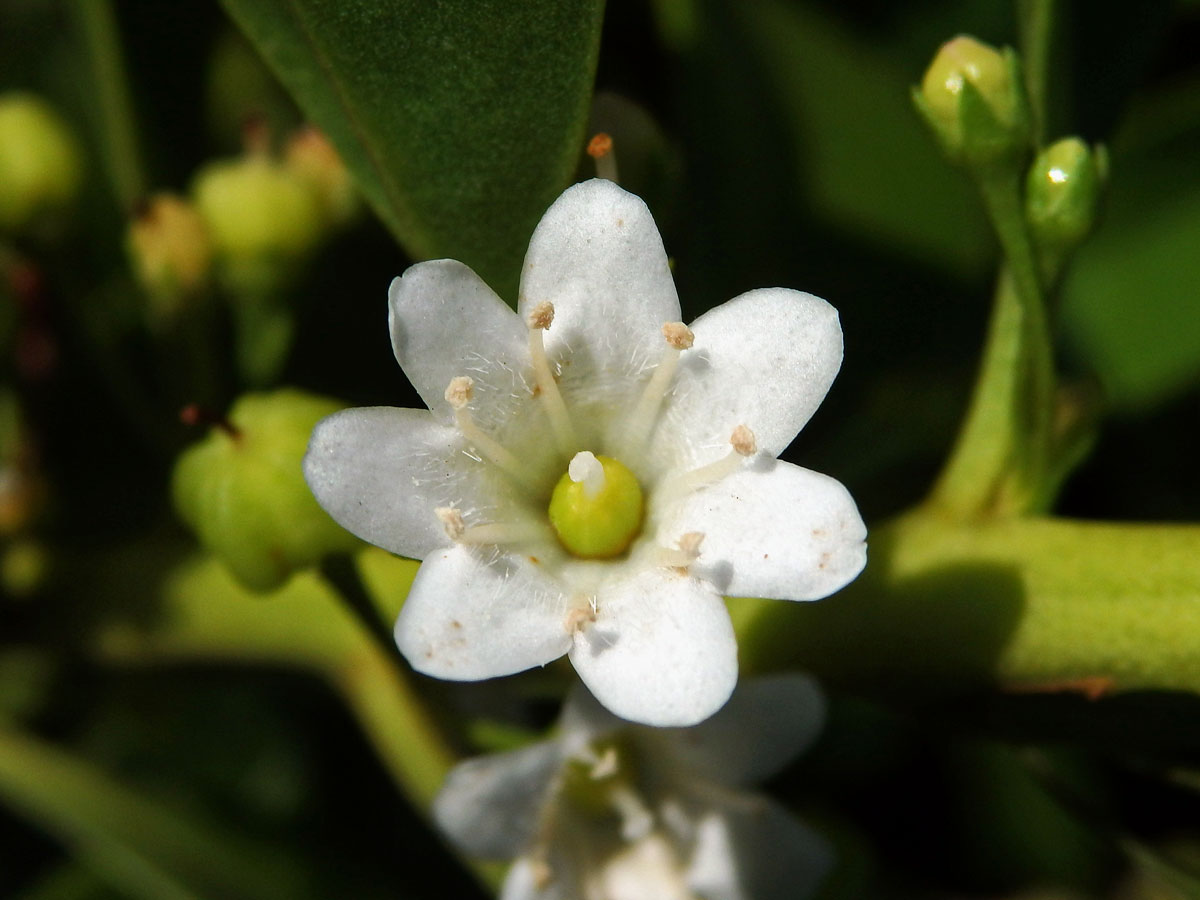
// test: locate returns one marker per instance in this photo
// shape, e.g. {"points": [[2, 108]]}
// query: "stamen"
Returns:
{"points": [[743, 446], [585, 468], [600, 148], [452, 521], [458, 394], [687, 552], [540, 318], [491, 533], [641, 421]]}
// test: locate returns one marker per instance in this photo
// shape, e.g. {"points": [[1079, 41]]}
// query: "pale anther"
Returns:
{"points": [[541, 316], [686, 552], [678, 335], [460, 391], [586, 469], [690, 543], [451, 520], [743, 441]]}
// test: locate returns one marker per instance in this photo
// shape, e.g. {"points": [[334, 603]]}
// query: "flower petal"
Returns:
{"points": [[774, 530], [490, 806], [598, 257], [469, 617], [380, 472], [446, 322], [754, 848], [526, 881], [765, 360], [784, 712], [661, 650]]}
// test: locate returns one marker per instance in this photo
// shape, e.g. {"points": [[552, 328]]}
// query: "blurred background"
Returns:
{"points": [[776, 144]]}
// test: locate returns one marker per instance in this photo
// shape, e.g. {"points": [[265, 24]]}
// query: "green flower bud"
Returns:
{"points": [[170, 251], [310, 156], [242, 490], [1062, 193], [973, 97], [263, 219], [40, 162]]}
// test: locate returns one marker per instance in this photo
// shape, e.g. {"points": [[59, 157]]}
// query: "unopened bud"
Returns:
{"points": [[40, 162], [170, 251], [263, 220], [973, 97], [1062, 193], [242, 490], [310, 156]]}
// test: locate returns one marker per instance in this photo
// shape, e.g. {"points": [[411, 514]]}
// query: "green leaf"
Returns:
{"points": [[1129, 302], [137, 845], [461, 120]]}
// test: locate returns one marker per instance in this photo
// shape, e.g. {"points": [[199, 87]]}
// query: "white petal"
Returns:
{"points": [[446, 322], [754, 849], [597, 256], [524, 882], [774, 530], [783, 712], [468, 617], [661, 651], [380, 472], [765, 360], [490, 806]]}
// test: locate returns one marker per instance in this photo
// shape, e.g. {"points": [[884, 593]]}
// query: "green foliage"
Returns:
{"points": [[381, 79]]}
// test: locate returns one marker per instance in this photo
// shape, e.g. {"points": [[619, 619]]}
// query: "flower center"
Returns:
{"points": [[597, 507]]}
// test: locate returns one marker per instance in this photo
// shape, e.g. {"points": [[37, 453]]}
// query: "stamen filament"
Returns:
{"points": [[490, 533], [743, 446], [556, 409], [458, 395], [679, 338]]}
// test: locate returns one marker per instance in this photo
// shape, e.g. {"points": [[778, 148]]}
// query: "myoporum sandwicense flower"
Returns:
{"points": [[592, 474], [606, 810]]}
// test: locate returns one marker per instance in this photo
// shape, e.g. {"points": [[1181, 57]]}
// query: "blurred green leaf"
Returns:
{"points": [[866, 161], [1131, 303], [461, 120], [138, 846]]}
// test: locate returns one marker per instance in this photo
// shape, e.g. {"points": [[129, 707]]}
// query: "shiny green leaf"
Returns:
{"points": [[461, 120]]}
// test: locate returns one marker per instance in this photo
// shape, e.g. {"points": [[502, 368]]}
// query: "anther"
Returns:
{"points": [[600, 149], [641, 421], [458, 394], [686, 551], [539, 319], [452, 521], [460, 391], [743, 445]]}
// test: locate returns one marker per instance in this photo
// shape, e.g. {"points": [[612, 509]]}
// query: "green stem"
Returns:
{"points": [[999, 465], [1036, 19], [1029, 603], [118, 130]]}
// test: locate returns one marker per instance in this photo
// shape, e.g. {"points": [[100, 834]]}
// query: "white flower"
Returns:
{"points": [[613, 811], [657, 440]]}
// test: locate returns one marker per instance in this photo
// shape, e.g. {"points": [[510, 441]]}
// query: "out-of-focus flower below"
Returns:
{"points": [[607, 810]]}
